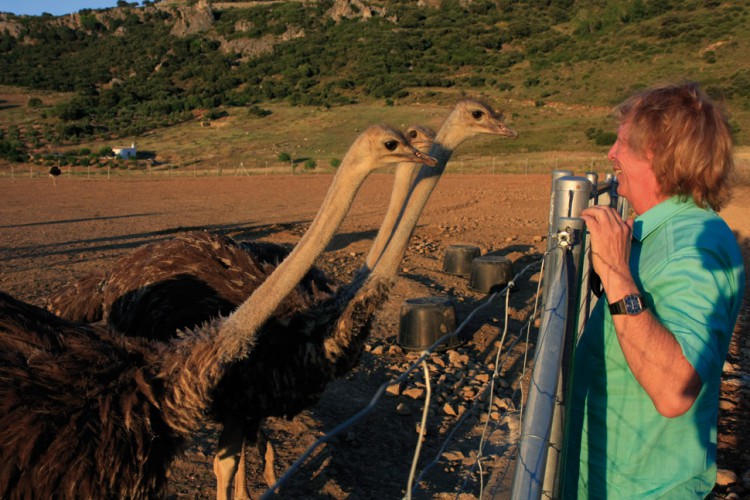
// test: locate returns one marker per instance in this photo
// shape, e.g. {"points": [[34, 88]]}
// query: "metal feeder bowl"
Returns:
{"points": [[424, 321], [490, 273], [458, 259]]}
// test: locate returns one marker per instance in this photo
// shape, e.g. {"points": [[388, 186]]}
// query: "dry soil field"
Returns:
{"points": [[53, 234]]}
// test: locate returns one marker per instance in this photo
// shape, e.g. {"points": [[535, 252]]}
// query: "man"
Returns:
{"points": [[647, 369]]}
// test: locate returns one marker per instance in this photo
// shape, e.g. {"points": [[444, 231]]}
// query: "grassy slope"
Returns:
{"points": [[550, 136], [576, 96]]}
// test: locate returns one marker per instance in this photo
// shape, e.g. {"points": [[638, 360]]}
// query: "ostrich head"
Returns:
{"points": [[377, 146], [471, 117], [420, 137]]}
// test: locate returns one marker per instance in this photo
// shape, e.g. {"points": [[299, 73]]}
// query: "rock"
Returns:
{"points": [[457, 359], [503, 404], [395, 350], [468, 393], [193, 19], [393, 390], [454, 456], [725, 477], [726, 405], [414, 393], [449, 410], [403, 409]]}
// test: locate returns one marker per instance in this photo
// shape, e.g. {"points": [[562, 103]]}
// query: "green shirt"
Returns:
{"points": [[688, 266]]}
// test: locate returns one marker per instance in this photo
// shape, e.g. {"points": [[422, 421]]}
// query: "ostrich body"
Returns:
{"points": [[180, 283], [89, 413]]}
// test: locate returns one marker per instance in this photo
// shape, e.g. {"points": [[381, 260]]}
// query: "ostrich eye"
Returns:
{"points": [[391, 145], [413, 134], [477, 114]]}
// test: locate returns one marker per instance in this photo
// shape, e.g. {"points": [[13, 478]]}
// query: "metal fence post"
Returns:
{"points": [[538, 461]]}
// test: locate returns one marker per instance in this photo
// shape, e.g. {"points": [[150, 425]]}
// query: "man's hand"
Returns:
{"points": [[610, 249]]}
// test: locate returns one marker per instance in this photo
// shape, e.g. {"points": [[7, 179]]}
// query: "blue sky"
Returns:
{"points": [[54, 7]]}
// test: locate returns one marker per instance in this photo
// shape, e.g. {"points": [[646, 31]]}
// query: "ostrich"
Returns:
{"points": [[296, 357], [180, 283], [184, 281], [89, 413], [235, 402], [258, 387]]}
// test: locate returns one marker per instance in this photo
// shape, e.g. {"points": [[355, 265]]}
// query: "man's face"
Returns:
{"points": [[636, 179]]}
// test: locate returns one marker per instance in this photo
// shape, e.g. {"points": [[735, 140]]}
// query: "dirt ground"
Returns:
{"points": [[52, 234]]}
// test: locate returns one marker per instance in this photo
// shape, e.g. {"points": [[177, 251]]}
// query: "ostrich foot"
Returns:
{"points": [[227, 461], [268, 455]]}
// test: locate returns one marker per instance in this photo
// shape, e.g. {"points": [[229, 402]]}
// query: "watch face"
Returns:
{"points": [[632, 304]]}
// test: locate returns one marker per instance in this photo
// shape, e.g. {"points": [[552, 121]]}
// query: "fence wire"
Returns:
{"points": [[487, 392]]}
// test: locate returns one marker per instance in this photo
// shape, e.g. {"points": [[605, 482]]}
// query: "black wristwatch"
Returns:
{"points": [[631, 305]]}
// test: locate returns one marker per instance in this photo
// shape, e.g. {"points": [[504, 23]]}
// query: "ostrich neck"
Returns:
{"points": [[423, 185], [449, 137], [402, 180], [239, 328]]}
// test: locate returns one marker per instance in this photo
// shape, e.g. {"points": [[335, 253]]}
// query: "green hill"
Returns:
{"points": [[557, 66]]}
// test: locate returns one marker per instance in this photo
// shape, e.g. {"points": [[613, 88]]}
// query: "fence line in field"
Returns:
{"points": [[484, 165]]}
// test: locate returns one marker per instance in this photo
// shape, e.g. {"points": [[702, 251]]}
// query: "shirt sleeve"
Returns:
{"points": [[692, 297]]}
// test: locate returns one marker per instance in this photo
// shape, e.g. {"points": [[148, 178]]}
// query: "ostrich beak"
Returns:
{"points": [[507, 132], [423, 158]]}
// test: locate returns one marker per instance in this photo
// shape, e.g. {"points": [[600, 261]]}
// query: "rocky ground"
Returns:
{"points": [[55, 233]]}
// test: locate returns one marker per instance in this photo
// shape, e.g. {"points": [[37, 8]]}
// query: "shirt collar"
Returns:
{"points": [[654, 217]]}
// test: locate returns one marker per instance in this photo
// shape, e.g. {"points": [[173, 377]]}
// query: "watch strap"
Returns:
{"points": [[631, 304]]}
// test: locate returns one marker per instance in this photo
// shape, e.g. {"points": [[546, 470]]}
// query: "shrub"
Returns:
{"points": [[285, 157], [310, 164], [258, 111], [335, 162]]}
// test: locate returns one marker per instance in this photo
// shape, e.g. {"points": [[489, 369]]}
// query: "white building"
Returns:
{"points": [[125, 152]]}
